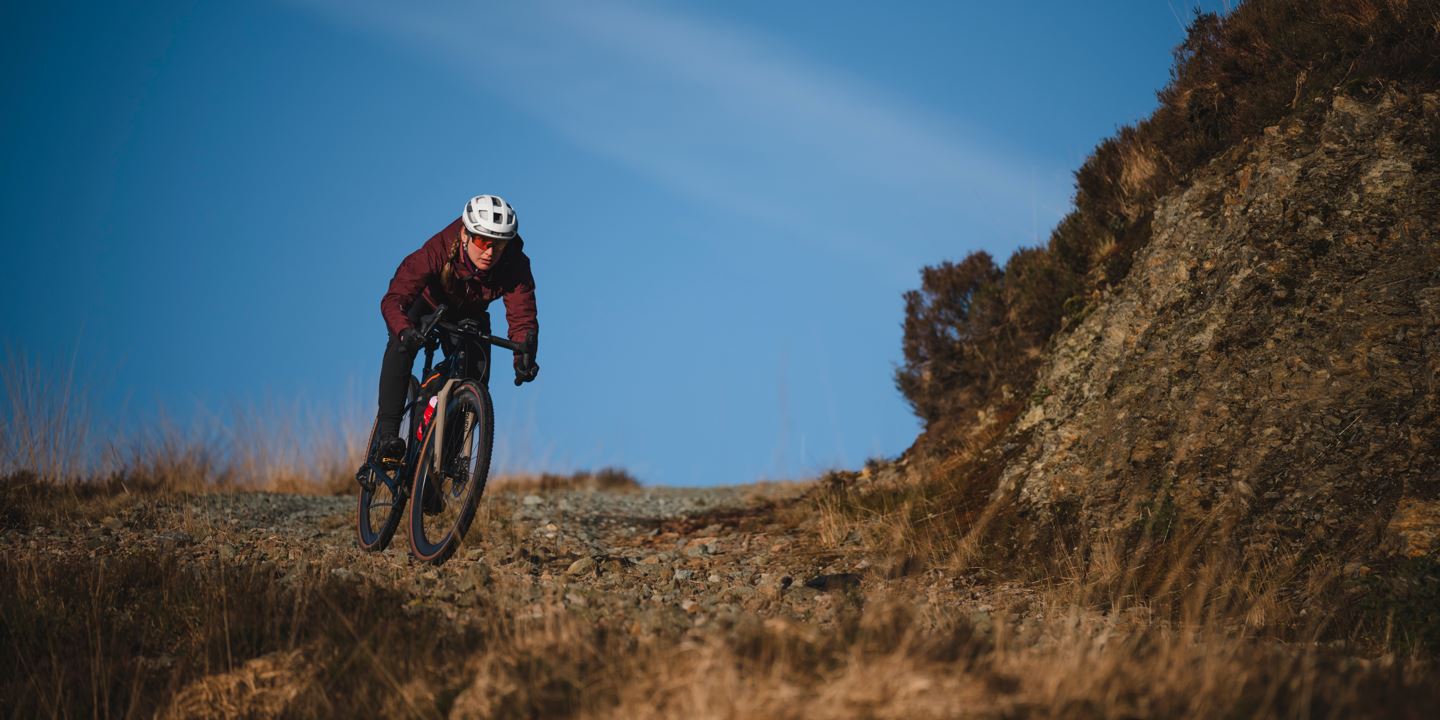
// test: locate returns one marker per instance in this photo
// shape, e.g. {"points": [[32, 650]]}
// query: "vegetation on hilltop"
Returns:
{"points": [[974, 332]]}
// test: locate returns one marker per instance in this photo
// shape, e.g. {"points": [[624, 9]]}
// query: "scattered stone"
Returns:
{"points": [[1414, 530], [834, 582], [802, 595], [981, 621], [773, 585]]}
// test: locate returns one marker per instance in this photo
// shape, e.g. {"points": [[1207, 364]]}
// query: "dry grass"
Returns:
{"points": [[139, 635], [49, 437], [46, 429], [1160, 620], [1172, 627], [135, 631], [608, 479]]}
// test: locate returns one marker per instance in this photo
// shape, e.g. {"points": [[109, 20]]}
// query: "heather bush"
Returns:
{"points": [[953, 325]]}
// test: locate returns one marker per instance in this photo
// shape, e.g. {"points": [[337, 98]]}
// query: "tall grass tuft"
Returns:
{"points": [[47, 430], [50, 437]]}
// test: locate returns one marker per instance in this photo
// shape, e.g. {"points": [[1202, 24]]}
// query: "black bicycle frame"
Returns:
{"points": [[457, 341]]}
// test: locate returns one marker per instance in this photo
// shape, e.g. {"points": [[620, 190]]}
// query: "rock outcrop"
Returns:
{"points": [[1275, 347]]}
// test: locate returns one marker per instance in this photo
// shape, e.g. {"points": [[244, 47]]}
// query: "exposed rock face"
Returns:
{"points": [[1274, 347]]}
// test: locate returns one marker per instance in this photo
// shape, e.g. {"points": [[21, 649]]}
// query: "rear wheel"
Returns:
{"points": [[383, 490], [446, 499]]}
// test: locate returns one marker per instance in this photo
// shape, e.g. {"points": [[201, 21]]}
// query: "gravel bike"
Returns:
{"points": [[449, 429]]}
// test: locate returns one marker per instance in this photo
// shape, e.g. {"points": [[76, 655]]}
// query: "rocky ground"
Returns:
{"points": [[752, 601], [665, 577], [682, 557]]}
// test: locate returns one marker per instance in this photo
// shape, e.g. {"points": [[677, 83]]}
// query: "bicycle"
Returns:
{"points": [[449, 428]]}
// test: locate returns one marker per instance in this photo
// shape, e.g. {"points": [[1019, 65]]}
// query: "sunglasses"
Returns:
{"points": [[485, 243]]}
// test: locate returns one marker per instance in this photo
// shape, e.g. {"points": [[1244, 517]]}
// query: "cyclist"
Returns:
{"points": [[475, 259]]}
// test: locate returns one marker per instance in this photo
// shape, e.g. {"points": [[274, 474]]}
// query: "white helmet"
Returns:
{"points": [[490, 216]]}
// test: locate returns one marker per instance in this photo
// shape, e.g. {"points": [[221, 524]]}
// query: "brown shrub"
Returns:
{"points": [[953, 325]]}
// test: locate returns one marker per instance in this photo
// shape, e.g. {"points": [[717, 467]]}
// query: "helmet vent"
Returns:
{"points": [[491, 216]]}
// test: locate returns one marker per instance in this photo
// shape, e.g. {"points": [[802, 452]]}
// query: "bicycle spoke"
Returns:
{"points": [[382, 491]]}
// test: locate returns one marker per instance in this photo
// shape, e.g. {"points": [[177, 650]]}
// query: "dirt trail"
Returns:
{"points": [[649, 559], [748, 601]]}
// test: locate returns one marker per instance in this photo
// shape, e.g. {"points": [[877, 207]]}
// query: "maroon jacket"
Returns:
{"points": [[472, 291]]}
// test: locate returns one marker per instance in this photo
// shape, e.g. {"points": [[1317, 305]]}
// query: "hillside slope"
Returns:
{"points": [[1274, 346]]}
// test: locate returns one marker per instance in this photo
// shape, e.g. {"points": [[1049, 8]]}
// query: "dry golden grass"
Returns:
{"points": [[608, 479], [956, 619], [1098, 632], [49, 436]]}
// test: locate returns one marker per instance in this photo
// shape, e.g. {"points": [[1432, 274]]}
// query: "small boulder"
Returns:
{"points": [[584, 565], [773, 585]]}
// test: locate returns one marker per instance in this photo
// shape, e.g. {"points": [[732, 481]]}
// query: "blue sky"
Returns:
{"points": [[723, 202]]}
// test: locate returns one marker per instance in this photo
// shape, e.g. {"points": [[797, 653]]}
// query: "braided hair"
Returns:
{"points": [[447, 273]]}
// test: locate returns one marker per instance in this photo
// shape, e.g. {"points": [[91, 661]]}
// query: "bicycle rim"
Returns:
{"points": [[380, 509], [457, 486]]}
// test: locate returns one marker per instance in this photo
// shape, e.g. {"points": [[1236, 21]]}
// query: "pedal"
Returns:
{"points": [[365, 478]]}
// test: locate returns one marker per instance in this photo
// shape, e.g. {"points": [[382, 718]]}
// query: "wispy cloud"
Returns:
{"points": [[722, 113]]}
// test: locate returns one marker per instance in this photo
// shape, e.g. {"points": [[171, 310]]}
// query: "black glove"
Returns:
{"points": [[525, 366], [410, 340], [524, 374]]}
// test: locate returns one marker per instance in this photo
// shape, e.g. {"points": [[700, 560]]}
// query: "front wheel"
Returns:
{"points": [[445, 499]]}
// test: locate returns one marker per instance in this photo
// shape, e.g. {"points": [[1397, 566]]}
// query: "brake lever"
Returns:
{"points": [[433, 320]]}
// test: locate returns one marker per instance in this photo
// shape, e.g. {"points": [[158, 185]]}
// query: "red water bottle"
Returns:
{"points": [[429, 413]]}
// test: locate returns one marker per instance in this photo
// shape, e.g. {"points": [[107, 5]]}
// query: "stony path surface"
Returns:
{"points": [[650, 559], [561, 603], [657, 602]]}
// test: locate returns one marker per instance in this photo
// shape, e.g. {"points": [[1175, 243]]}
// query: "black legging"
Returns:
{"points": [[395, 370]]}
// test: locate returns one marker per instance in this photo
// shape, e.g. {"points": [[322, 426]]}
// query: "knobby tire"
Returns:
{"points": [[436, 540], [372, 538]]}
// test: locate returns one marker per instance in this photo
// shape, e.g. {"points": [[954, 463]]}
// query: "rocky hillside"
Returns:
{"points": [[1274, 348]]}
